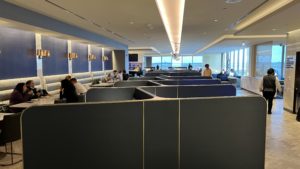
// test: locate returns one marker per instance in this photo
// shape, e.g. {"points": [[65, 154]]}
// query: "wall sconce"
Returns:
{"points": [[72, 56], [92, 57], [41, 53], [104, 58]]}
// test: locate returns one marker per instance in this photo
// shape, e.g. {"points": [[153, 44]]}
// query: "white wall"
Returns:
{"points": [[293, 46], [214, 61]]}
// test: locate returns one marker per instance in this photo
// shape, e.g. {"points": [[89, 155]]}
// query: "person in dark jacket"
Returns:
{"points": [[269, 86], [19, 95], [68, 91]]}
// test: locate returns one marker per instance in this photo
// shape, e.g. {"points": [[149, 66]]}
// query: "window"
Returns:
{"points": [[269, 56], [186, 60], [246, 62], [166, 62], [240, 65], [277, 58], [238, 60], [156, 61], [197, 62], [177, 62]]}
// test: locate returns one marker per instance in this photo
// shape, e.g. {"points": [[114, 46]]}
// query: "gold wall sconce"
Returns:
{"points": [[104, 58], [92, 57], [41, 53], [72, 56]]}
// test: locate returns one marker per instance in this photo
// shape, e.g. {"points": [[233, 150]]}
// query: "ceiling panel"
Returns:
{"points": [[281, 22], [138, 21]]}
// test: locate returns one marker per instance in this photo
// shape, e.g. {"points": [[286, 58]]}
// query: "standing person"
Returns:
{"points": [[207, 72], [190, 67], [269, 85], [157, 67]]}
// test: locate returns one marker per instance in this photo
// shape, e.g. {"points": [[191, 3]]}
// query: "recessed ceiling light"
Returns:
{"points": [[232, 1], [131, 22], [274, 29], [216, 20]]}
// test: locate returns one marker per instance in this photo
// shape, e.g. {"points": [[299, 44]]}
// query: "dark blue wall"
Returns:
{"points": [[57, 63], [108, 64], [17, 56], [96, 64], [81, 63]]}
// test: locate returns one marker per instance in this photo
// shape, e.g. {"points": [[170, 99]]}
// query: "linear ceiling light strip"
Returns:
{"points": [[171, 12]]}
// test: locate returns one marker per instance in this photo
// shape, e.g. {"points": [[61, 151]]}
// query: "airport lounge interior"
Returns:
{"points": [[149, 84]]}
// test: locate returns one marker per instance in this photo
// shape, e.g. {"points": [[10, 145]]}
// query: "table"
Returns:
{"points": [[34, 102], [4, 114], [103, 85]]}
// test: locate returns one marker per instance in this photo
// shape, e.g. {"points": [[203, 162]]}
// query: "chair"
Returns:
{"points": [[10, 132]]}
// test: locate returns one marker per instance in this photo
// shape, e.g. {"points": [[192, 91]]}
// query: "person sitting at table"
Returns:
{"points": [[120, 75], [20, 94], [68, 91], [68, 77], [125, 75], [207, 72], [138, 70], [108, 78], [36, 93], [80, 89]]}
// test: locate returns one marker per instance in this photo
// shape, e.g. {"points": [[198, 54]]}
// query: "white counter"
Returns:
{"points": [[251, 84]]}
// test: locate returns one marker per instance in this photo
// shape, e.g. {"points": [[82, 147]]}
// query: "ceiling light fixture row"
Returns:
{"points": [[171, 12]]}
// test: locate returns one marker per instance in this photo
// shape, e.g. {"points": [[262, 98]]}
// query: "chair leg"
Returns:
{"points": [[11, 153]]}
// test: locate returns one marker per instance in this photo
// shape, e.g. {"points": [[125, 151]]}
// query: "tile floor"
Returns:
{"points": [[282, 146]]}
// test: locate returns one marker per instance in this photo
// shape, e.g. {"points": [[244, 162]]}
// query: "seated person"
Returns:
{"points": [[68, 77], [107, 78], [20, 94], [35, 93], [137, 68], [125, 75], [80, 89], [232, 73], [68, 91], [120, 75]]}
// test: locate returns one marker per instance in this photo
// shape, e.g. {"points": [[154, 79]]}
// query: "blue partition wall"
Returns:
{"points": [[57, 63], [96, 64], [17, 49], [108, 65], [81, 63]]}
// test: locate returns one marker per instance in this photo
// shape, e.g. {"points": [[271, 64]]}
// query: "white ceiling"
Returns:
{"points": [[140, 25]]}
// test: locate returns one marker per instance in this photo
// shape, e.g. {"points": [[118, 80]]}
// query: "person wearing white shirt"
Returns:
{"points": [[269, 86], [80, 89], [120, 75]]}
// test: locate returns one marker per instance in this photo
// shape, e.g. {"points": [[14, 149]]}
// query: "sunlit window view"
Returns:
{"points": [[168, 62], [236, 61], [269, 56]]}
